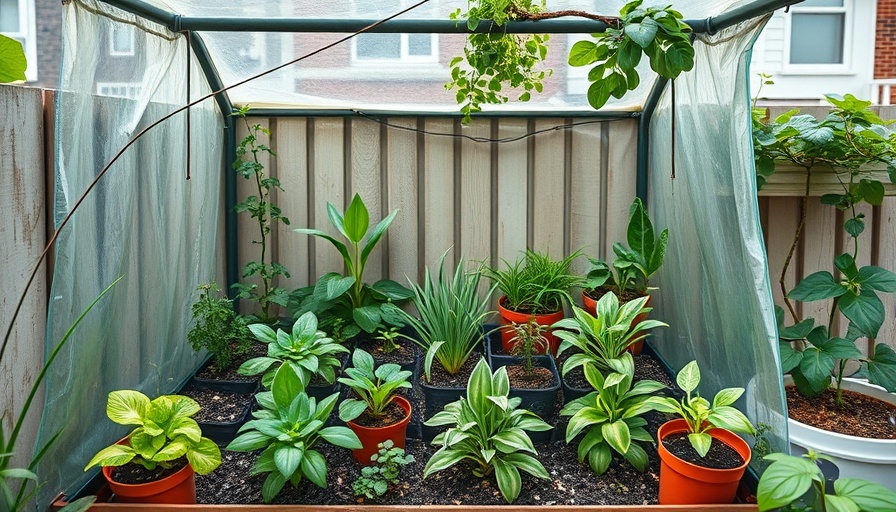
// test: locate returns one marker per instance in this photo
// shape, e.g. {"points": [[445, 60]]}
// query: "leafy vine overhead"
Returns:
{"points": [[497, 59]]}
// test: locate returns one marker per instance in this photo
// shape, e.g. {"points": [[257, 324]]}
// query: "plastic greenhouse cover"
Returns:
{"points": [[714, 286]]}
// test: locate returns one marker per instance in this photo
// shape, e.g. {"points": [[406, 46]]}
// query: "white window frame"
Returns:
{"points": [[131, 90], [115, 27], [27, 34], [844, 68], [404, 53]]}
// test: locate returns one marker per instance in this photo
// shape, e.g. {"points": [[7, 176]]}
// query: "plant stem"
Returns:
{"points": [[838, 400], [262, 205], [796, 240]]}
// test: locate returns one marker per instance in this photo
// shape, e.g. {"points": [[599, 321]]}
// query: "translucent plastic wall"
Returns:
{"points": [[714, 289], [144, 222]]}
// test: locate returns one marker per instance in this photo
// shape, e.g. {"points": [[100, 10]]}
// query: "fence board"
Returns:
{"points": [[549, 188], [366, 180], [402, 173], [439, 215]]}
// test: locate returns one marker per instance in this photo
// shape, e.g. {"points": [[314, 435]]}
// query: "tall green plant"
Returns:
{"points": [[535, 284], [266, 214], [218, 328]]}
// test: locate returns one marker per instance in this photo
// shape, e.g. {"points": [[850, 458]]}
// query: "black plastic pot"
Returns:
{"points": [[540, 401], [223, 433], [571, 393], [228, 386]]}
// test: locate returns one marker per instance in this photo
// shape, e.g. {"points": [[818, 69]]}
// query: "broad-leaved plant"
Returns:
{"points": [[374, 388]]}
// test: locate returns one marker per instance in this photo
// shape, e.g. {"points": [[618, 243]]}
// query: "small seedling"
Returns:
{"points": [[528, 340], [375, 480], [388, 337]]}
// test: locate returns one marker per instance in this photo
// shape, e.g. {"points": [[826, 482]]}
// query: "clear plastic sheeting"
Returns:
{"points": [[714, 289], [143, 222]]}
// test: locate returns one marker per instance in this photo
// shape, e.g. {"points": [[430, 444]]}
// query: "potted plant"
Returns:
{"points": [[348, 298], [377, 414], [634, 265], [533, 288], [224, 334], [156, 462], [308, 352], [287, 427], [488, 428], [600, 339], [687, 474]]}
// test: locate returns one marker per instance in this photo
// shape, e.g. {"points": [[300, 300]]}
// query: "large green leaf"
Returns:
{"points": [[817, 286], [637, 457], [509, 481], [877, 278], [727, 396], [689, 377], [287, 459], [367, 317], [790, 358], [700, 442], [527, 463], [583, 53], [115, 455], [616, 434], [442, 459], [642, 33], [867, 495], [263, 333], [357, 220], [840, 348], [834, 503], [249, 441], [12, 60], [865, 311], [287, 385], [375, 236], [127, 407], [784, 481], [392, 290], [341, 436], [816, 366], [314, 466], [204, 457], [272, 485], [881, 368]]}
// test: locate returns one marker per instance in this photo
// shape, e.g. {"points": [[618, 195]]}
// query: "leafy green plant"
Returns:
{"points": [[218, 328], [786, 481], [451, 317], [287, 427], [603, 338], [528, 340], [165, 432], [535, 284], [375, 388], [388, 337], [376, 479], [347, 297], [489, 430], [497, 58], [611, 416], [12, 60], [699, 413], [305, 350], [637, 263], [266, 214]]}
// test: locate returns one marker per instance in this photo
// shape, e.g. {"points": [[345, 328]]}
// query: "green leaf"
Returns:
{"points": [[351, 408], [367, 317], [701, 442], [509, 481], [341, 436], [79, 505], [248, 442], [731, 419], [442, 459], [865, 311], [528, 464], [854, 227], [598, 94], [689, 377], [727, 396], [583, 53], [637, 457], [867, 495], [392, 290], [797, 331], [272, 485], [204, 457], [784, 481], [256, 365], [12, 60], [881, 368], [375, 236], [642, 33], [338, 286], [314, 466], [816, 366], [790, 358], [835, 503], [817, 286], [287, 459], [357, 220], [840, 348], [127, 407], [877, 278], [115, 455], [872, 191], [616, 434]]}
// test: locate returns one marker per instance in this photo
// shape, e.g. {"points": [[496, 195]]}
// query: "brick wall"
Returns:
{"points": [[48, 14], [885, 44]]}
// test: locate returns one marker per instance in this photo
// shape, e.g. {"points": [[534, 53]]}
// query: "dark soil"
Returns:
{"points": [[211, 372], [218, 406], [441, 378], [860, 415], [392, 415], [524, 311], [719, 456], [541, 378], [626, 296], [132, 473], [403, 355]]}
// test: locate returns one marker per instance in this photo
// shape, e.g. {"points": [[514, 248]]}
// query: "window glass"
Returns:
{"points": [[9, 16], [379, 46], [816, 38], [419, 44], [821, 3], [122, 40]]}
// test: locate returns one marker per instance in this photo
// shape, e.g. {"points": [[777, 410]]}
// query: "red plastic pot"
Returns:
{"points": [[179, 488], [509, 317], [590, 305], [684, 483], [372, 436]]}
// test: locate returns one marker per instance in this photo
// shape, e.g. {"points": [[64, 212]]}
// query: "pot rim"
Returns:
{"points": [[502, 310], [169, 481], [403, 403], [680, 425]]}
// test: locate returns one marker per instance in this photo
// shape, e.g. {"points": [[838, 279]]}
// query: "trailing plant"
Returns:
{"points": [[287, 427], [487, 428], [700, 414], [305, 350], [635, 264], [165, 432], [603, 338], [375, 388], [12, 60], [610, 417], [218, 328], [528, 340], [266, 214], [348, 297], [376, 479], [785, 483], [495, 59], [451, 317], [388, 337], [535, 284]]}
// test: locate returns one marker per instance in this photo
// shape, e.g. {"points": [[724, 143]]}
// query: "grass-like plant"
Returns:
{"points": [[489, 430], [535, 284], [375, 388], [451, 316]]}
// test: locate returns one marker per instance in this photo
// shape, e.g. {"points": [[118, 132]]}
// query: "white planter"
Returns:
{"points": [[857, 457]]}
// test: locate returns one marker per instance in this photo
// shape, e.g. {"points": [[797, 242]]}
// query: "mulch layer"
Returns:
{"points": [[210, 372], [218, 406], [136, 474], [541, 378], [403, 355], [860, 415]]}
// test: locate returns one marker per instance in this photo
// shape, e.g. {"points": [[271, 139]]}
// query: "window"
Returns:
{"points": [[819, 35], [402, 47], [119, 89], [121, 39], [17, 22]]}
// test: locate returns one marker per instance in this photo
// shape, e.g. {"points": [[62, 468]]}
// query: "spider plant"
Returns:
{"points": [[535, 284]]}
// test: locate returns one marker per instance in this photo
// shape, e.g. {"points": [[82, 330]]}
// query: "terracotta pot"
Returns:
{"points": [[684, 483], [590, 305], [508, 317], [178, 488], [372, 436]]}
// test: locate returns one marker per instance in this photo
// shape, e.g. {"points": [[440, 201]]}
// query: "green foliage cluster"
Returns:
{"points": [[376, 479], [528, 340], [658, 33], [610, 416], [489, 430], [287, 427], [637, 263], [218, 328], [266, 214], [305, 350], [165, 432], [535, 284], [700, 414], [375, 388], [494, 59], [784, 484], [348, 298]]}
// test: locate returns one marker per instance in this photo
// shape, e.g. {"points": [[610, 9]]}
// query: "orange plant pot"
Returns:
{"points": [[683, 483], [590, 305], [372, 436], [179, 488], [509, 317]]}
